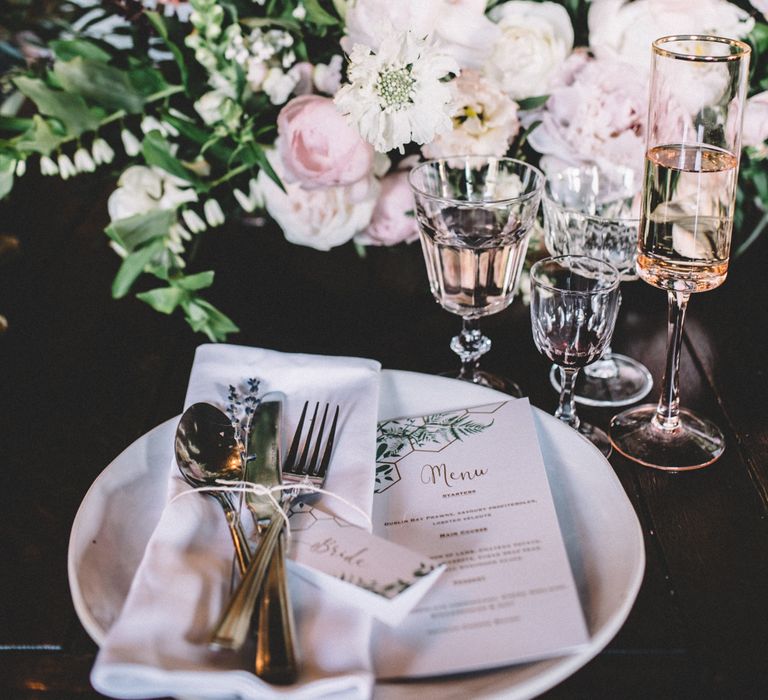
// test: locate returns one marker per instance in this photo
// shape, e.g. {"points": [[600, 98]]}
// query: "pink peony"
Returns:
{"points": [[596, 114], [393, 220], [318, 147]]}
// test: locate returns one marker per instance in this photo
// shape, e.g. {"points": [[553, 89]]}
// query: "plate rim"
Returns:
{"points": [[563, 667]]}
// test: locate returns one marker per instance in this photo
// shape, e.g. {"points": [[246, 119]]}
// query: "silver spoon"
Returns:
{"points": [[206, 450]]}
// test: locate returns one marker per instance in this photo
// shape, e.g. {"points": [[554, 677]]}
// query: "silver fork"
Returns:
{"points": [[309, 468]]}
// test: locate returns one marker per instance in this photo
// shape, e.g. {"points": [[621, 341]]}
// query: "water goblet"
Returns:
{"points": [[574, 302], [595, 212], [697, 96], [475, 215]]}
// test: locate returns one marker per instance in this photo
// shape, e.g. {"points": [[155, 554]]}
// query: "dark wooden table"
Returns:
{"points": [[83, 376]]}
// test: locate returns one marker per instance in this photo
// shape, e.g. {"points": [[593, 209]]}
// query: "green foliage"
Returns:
{"points": [[70, 109]]}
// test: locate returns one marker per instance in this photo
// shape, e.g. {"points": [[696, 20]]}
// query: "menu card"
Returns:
{"points": [[469, 490]]}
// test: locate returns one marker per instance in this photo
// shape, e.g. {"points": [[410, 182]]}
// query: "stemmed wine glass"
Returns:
{"points": [[574, 302], [475, 215], [697, 96], [595, 212]]}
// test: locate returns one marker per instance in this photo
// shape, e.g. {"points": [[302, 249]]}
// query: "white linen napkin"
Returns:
{"points": [[158, 644]]}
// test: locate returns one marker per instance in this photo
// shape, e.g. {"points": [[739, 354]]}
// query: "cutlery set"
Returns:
{"points": [[207, 453]]}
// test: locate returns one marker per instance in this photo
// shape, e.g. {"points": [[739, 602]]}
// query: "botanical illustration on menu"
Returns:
{"points": [[469, 490]]}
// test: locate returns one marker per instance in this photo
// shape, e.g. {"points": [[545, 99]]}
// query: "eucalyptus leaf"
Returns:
{"points": [[40, 138], [100, 83], [195, 282], [71, 110], [157, 152], [260, 157], [133, 266], [532, 102], [163, 299], [341, 7], [134, 231], [7, 166], [14, 124], [203, 317], [758, 37], [147, 80], [317, 15], [67, 49]]}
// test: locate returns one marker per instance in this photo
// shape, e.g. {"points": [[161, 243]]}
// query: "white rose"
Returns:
{"points": [[761, 6], [460, 26], [141, 189], [484, 120], [623, 30], [536, 38], [320, 218], [755, 130]]}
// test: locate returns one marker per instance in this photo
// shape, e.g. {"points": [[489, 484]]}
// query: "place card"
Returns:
{"points": [[469, 489], [380, 577]]}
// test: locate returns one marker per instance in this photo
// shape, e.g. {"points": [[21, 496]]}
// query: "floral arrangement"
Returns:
{"points": [[314, 110]]}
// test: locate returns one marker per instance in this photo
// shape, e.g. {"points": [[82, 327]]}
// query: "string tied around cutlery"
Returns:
{"points": [[270, 492]]}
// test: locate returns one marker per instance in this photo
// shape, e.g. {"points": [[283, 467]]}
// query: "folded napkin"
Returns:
{"points": [[158, 644]]}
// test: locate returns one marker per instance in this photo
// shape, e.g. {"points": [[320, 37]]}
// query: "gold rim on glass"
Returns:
{"points": [[743, 48]]}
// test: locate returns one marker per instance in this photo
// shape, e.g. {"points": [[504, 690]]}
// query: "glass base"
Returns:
{"points": [[695, 443], [599, 438], [493, 381], [628, 382]]}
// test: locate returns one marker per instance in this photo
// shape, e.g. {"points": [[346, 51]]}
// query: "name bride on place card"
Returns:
{"points": [[469, 490]]}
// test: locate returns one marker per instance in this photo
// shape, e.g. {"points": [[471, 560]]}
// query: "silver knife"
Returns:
{"points": [[275, 652]]}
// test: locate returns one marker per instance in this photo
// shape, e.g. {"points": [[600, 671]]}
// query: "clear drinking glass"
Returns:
{"points": [[697, 96], [475, 215], [596, 212], [574, 303]]}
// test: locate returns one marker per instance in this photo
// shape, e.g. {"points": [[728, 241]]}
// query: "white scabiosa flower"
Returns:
{"points": [[396, 95], [48, 166], [21, 168], [213, 213], [102, 152], [67, 168], [131, 144], [83, 161]]}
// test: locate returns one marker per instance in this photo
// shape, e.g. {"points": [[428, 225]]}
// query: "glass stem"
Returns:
{"points": [[470, 345], [566, 409], [668, 410]]}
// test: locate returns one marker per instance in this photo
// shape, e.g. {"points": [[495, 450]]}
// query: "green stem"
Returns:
{"points": [[229, 175]]}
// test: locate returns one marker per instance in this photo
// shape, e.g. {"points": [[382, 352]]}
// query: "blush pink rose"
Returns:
{"points": [[393, 220], [318, 147]]}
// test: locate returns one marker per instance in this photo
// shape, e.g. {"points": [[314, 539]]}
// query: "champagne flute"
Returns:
{"points": [[697, 97], [574, 302], [595, 212], [475, 215]]}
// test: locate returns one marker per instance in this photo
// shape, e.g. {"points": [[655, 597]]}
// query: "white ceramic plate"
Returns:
{"points": [[600, 529]]}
